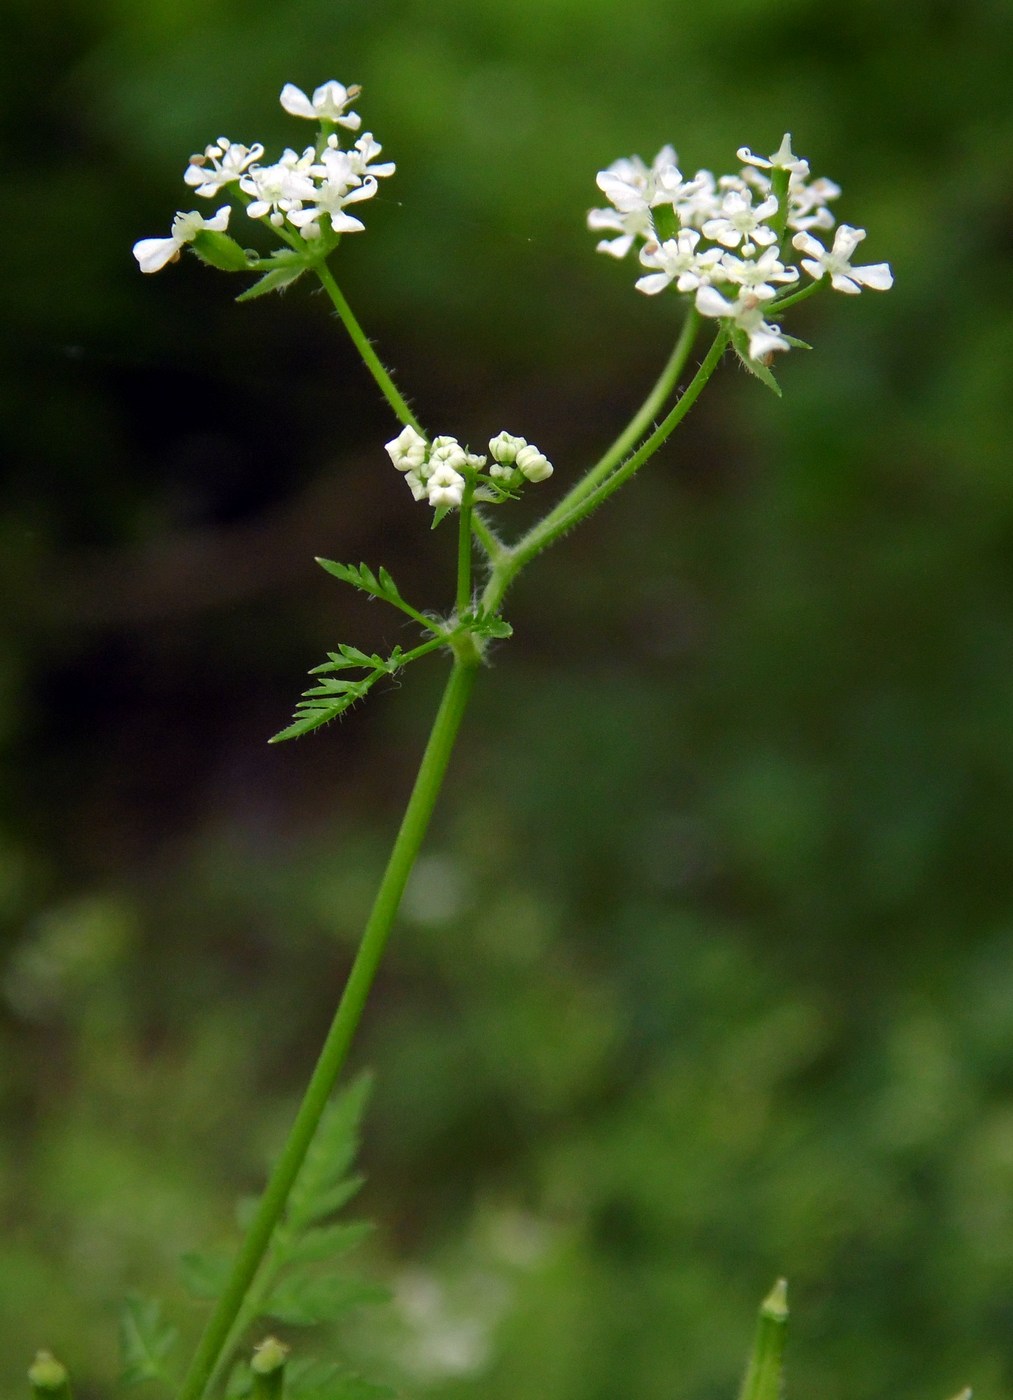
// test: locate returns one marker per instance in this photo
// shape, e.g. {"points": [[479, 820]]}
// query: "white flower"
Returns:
{"points": [[338, 185], [445, 487], [634, 189], [280, 189], [677, 260], [328, 104], [738, 222], [228, 160], [365, 150], [837, 262], [533, 464], [807, 203], [746, 312], [758, 274], [153, 253], [784, 158], [408, 450], [417, 483]]}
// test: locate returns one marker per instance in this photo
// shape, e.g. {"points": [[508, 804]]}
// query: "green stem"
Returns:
{"points": [[464, 550], [332, 1058], [493, 546], [369, 355], [575, 506], [645, 415]]}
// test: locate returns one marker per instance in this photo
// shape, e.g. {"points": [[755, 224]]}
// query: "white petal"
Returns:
{"points": [[653, 284], [875, 275], [840, 283], [152, 254], [296, 103], [711, 303], [616, 247]]}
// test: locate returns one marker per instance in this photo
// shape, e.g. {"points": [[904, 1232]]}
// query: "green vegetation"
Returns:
{"points": [[740, 1000]]}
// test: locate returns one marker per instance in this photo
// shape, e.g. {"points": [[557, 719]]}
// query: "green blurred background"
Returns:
{"points": [[708, 973]]}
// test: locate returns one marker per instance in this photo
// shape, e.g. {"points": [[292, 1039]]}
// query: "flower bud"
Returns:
{"points": [[408, 450], [446, 487], [534, 465], [448, 452], [505, 447]]}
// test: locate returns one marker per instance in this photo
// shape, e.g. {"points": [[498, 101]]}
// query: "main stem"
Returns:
{"points": [[346, 1020]]}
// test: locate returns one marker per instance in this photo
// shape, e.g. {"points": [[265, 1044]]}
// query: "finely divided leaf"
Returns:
{"points": [[145, 1342], [323, 1180], [205, 1274], [304, 1301]]}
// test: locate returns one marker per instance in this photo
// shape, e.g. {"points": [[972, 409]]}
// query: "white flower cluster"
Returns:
{"points": [[722, 239], [308, 191], [438, 471]]}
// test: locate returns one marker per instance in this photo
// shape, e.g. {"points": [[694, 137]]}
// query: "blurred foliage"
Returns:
{"points": [[708, 974]]}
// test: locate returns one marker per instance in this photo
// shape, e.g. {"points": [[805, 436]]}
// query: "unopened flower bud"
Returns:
{"points": [[505, 447], [534, 464], [48, 1377], [448, 452], [446, 487], [408, 450]]}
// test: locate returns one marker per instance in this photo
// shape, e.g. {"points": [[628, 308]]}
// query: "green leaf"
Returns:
{"points": [[322, 1180], [305, 1301], [219, 250], [145, 1342], [205, 1274], [493, 627], [327, 1242], [309, 1379], [439, 515], [740, 344], [285, 267]]}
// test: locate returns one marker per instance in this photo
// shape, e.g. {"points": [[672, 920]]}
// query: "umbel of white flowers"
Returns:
{"points": [[438, 471], [303, 193], [722, 240]]}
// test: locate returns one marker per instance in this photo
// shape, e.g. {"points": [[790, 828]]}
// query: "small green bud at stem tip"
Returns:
{"points": [[48, 1377], [268, 1367], [775, 1305], [764, 1377]]}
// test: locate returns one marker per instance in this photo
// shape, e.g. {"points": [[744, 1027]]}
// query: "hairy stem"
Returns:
{"points": [[580, 503], [346, 1020], [369, 355]]}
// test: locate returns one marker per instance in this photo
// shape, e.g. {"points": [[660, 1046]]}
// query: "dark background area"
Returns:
{"points": [[707, 975]]}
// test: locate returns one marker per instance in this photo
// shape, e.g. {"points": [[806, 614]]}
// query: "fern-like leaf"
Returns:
{"points": [[145, 1343]]}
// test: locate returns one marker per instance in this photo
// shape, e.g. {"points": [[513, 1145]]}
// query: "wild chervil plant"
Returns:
{"points": [[740, 250]]}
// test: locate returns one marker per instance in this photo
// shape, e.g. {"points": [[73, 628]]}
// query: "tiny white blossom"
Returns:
{"points": [[784, 158], [363, 153], [807, 203], [446, 487], [222, 163], [837, 262], [533, 464], [758, 274], [746, 312], [408, 450], [634, 189], [328, 104], [152, 254], [281, 189], [678, 260], [739, 223], [338, 186]]}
